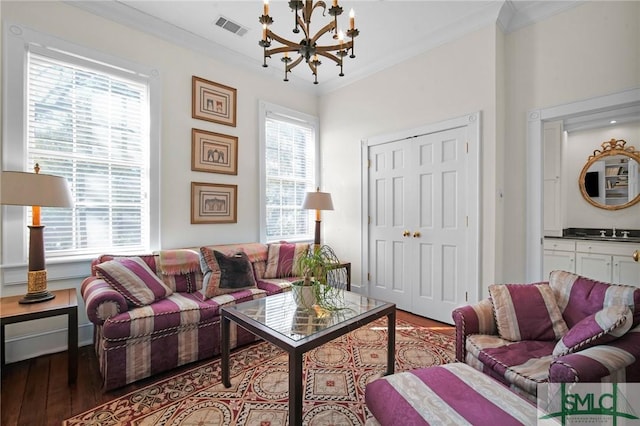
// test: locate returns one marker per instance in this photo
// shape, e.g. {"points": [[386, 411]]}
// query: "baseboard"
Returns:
{"points": [[49, 342]]}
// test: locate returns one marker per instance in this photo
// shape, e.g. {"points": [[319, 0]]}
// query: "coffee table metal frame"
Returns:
{"points": [[296, 347]]}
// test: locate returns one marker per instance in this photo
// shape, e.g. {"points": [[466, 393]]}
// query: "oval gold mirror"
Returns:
{"points": [[611, 178]]}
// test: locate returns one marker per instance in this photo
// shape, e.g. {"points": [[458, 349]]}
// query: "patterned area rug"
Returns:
{"points": [[335, 378]]}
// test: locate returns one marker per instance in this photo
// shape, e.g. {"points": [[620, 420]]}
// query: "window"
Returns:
{"points": [[289, 144], [90, 127], [89, 118]]}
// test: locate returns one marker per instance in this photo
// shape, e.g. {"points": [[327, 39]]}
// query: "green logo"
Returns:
{"points": [[588, 403]]}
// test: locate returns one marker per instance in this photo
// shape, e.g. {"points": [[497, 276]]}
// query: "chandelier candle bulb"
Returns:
{"points": [[335, 2], [266, 7], [352, 19], [264, 32]]}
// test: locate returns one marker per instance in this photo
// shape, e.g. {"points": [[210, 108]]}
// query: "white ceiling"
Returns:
{"points": [[390, 30]]}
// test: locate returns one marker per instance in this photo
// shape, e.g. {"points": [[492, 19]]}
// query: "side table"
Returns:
{"points": [[64, 303]]}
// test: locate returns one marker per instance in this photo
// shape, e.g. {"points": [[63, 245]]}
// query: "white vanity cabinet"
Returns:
{"points": [[609, 262], [603, 261], [559, 255]]}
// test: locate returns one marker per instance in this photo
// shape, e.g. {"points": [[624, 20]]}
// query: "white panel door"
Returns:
{"points": [[389, 228], [418, 223]]}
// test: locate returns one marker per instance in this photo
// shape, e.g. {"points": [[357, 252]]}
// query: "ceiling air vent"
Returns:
{"points": [[228, 25]]}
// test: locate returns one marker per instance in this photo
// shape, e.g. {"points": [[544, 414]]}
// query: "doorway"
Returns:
{"points": [[595, 108], [421, 245]]}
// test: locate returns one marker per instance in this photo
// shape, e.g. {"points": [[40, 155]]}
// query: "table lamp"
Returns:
{"points": [[317, 201], [36, 190]]}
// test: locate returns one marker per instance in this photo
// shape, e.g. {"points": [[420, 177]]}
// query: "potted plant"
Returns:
{"points": [[314, 289]]}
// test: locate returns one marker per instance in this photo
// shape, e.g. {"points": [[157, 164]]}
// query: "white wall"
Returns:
{"points": [[432, 87], [590, 50], [578, 147], [176, 66]]}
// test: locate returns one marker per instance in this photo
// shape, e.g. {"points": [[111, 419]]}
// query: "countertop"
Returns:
{"points": [[592, 234]]}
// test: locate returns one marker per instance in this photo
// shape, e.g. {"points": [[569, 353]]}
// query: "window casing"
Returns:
{"points": [[93, 119], [289, 168]]}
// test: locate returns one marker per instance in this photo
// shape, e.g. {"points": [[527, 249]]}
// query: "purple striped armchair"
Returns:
{"points": [[524, 364], [135, 342]]}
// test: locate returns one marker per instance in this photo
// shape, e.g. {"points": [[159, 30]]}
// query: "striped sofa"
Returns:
{"points": [[524, 364], [135, 342]]}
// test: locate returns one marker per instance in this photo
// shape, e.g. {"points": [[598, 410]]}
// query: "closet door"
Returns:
{"points": [[418, 231]]}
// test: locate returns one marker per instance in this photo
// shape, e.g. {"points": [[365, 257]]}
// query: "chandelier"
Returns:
{"points": [[308, 48]]}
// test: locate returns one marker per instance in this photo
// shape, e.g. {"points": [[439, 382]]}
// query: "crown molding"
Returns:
{"points": [[508, 15], [133, 18], [516, 14]]}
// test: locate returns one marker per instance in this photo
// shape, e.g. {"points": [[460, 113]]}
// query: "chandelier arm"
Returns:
{"points": [[282, 49], [293, 64], [330, 56], [330, 26], [304, 25], [345, 46], [284, 41]]}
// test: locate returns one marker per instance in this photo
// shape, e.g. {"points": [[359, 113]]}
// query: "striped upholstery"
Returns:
{"points": [[526, 312], [578, 297], [133, 343], [522, 365], [452, 394]]}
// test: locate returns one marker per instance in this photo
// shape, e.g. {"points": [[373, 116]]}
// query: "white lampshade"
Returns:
{"points": [[33, 189], [317, 201]]}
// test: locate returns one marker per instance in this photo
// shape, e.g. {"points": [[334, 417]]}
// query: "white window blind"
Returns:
{"points": [[92, 127], [290, 171]]}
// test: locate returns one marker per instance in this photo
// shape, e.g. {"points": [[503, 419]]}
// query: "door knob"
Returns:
{"points": [[636, 255], [406, 233], [416, 234]]}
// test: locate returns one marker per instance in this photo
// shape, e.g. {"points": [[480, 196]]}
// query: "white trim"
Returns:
{"points": [[48, 342], [269, 110], [17, 39], [534, 197], [473, 124]]}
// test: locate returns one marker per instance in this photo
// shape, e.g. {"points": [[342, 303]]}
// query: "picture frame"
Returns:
{"points": [[213, 102], [214, 152], [213, 203]]}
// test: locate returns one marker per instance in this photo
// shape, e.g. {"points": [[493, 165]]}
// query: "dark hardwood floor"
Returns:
{"points": [[35, 391]]}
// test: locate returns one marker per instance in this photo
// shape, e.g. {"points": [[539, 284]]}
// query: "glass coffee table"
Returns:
{"points": [[278, 320]]}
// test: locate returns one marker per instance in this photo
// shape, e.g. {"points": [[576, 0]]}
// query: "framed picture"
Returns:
{"points": [[213, 203], [213, 102], [214, 152]]}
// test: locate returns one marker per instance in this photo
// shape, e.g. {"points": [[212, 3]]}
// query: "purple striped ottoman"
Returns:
{"points": [[445, 394]]}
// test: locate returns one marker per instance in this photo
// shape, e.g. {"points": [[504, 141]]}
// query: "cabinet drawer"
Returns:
{"points": [[559, 245], [616, 249]]}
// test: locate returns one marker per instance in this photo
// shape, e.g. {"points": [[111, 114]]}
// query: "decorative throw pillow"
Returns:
{"points": [[225, 273], [133, 278], [281, 259], [526, 312], [604, 326]]}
